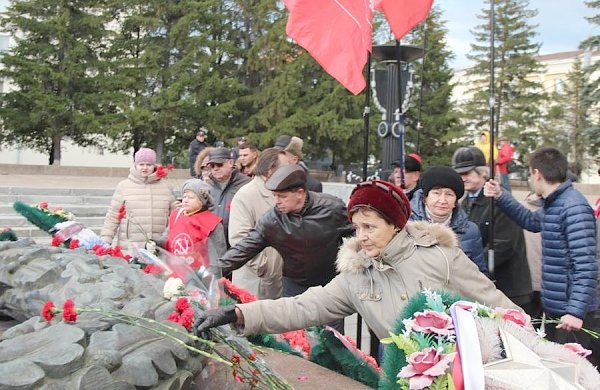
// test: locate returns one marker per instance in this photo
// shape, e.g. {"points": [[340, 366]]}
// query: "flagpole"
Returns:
{"points": [[419, 125], [366, 117], [492, 104], [399, 118]]}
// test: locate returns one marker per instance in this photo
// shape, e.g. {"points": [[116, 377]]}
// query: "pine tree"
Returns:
{"points": [[431, 105], [56, 74], [565, 123], [517, 99], [591, 92]]}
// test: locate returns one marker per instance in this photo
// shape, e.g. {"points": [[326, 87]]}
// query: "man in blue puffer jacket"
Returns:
{"points": [[566, 222]]}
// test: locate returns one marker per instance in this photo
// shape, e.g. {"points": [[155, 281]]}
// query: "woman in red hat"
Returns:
{"points": [[380, 269]]}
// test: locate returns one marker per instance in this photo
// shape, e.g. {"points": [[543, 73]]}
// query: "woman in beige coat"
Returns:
{"points": [[379, 271], [147, 201]]}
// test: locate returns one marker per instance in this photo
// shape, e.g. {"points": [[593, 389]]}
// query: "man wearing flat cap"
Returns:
{"points": [[305, 227], [292, 146], [412, 174], [196, 146], [224, 181]]}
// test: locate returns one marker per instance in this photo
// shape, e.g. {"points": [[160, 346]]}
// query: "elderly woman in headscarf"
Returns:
{"points": [[380, 269], [438, 202]]}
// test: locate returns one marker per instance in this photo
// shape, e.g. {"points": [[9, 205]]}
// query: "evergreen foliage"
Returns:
{"points": [[517, 98], [57, 74], [38, 217], [431, 102], [566, 125], [393, 357]]}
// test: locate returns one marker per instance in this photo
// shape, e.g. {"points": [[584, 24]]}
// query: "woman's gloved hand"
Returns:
{"points": [[216, 317]]}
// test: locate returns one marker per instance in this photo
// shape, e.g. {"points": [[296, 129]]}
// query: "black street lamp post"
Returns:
{"points": [[391, 94]]}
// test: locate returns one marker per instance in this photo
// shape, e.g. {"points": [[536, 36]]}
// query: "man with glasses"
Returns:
{"points": [[224, 181]]}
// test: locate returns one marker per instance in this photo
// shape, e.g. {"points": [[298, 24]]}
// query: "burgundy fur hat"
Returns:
{"points": [[384, 197]]}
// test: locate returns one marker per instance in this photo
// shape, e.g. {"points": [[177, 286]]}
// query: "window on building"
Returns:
{"points": [[559, 86], [4, 42]]}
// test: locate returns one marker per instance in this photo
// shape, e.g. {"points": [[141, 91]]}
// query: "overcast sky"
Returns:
{"points": [[561, 24]]}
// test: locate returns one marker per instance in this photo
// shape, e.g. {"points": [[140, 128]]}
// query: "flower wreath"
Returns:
{"points": [[327, 349], [423, 346]]}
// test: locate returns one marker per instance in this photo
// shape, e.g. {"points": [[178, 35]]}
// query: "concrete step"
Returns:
{"points": [[79, 210], [55, 200], [15, 219], [6, 190]]}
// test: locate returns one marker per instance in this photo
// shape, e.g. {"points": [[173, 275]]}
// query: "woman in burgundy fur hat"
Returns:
{"points": [[387, 262]]}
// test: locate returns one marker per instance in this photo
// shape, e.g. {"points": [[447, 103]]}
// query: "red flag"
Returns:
{"points": [[403, 15], [337, 33]]}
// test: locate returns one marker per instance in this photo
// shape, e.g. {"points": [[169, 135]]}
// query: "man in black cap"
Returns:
{"points": [[195, 148], [292, 146], [305, 227], [511, 269], [412, 174], [224, 181]]}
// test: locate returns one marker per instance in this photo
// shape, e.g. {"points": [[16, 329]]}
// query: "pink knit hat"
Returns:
{"points": [[145, 155]]}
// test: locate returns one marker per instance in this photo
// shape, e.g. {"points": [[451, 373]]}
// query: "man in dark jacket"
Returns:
{"points": [[196, 147], [412, 174], [224, 181], [511, 270], [292, 146], [569, 259], [305, 227]]}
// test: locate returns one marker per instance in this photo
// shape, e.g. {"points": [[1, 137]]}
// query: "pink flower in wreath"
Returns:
{"points": [[424, 366], [430, 321], [514, 316], [578, 349]]}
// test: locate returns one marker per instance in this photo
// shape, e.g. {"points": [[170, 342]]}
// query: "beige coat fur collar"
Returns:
{"points": [[352, 259]]}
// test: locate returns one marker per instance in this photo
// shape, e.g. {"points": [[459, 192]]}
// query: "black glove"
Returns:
{"points": [[216, 317]]}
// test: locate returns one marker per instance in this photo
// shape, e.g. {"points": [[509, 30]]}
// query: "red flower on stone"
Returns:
{"points": [[69, 312], [187, 319], [173, 317], [170, 167], [182, 305], [56, 241], [74, 244], [152, 269], [48, 311], [121, 213], [43, 205]]}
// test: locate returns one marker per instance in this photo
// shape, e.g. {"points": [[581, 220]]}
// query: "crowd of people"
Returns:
{"points": [[312, 260]]}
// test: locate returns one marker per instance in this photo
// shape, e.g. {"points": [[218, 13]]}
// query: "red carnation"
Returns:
{"points": [[152, 269], [56, 241], [173, 317], [182, 305], [43, 205], [161, 172], [48, 311], [121, 213], [170, 167], [69, 312], [187, 318], [74, 244]]}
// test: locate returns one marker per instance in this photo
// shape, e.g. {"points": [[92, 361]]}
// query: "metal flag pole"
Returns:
{"points": [[419, 124], [399, 117], [492, 103], [366, 116]]}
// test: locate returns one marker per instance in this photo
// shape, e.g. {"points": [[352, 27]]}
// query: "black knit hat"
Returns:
{"points": [[444, 177]]}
